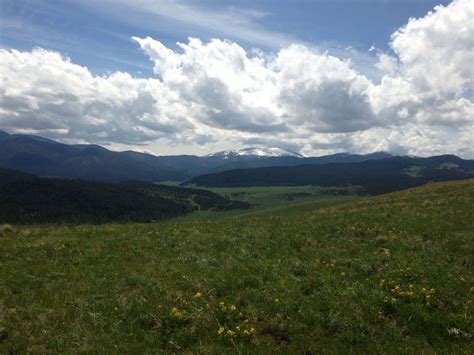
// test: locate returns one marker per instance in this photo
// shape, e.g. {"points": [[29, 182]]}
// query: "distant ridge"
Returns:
{"points": [[48, 158], [374, 176]]}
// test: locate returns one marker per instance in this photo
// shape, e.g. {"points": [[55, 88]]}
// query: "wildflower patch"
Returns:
{"points": [[227, 321]]}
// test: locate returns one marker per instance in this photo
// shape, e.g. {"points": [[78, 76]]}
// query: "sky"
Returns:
{"points": [[194, 77]]}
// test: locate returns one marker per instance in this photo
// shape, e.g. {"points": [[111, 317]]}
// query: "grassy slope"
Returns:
{"points": [[274, 199], [308, 281]]}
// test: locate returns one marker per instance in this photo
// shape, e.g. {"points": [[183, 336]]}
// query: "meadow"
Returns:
{"points": [[385, 274], [272, 199]]}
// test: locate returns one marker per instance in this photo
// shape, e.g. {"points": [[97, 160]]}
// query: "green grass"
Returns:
{"points": [[273, 199], [387, 274], [269, 197]]}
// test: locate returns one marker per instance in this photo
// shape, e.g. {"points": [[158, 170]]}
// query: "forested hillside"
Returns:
{"points": [[374, 176], [25, 198]]}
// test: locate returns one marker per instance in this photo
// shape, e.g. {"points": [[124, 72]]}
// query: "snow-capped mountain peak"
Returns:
{"points": [[255, 152]]}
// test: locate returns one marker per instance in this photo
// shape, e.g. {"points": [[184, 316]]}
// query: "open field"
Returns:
{"points": [[274, 199], [386, 274]]}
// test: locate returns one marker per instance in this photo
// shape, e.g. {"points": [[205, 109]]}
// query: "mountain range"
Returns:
{"points": [[374, 173], [48, 158]]}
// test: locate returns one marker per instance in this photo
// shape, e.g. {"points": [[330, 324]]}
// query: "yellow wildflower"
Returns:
{"points": [[12, 310], [237, 328], [233, 308], [197, 295], [393, 300], [382, 282], [230, 333], [396, 290], [220, 330], [252, 330], [277, 300], [176, 313]]}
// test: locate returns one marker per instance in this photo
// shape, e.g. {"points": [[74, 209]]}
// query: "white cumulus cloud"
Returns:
{"points": [[296, 97], [437, 51], [43, 91]]}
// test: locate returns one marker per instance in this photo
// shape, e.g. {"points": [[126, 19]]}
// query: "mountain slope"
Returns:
{"points": [[46, 157], [375, 176], [25, 198]]}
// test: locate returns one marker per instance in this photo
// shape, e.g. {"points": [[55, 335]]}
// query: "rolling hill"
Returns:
{"points": [[374, 176]]}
